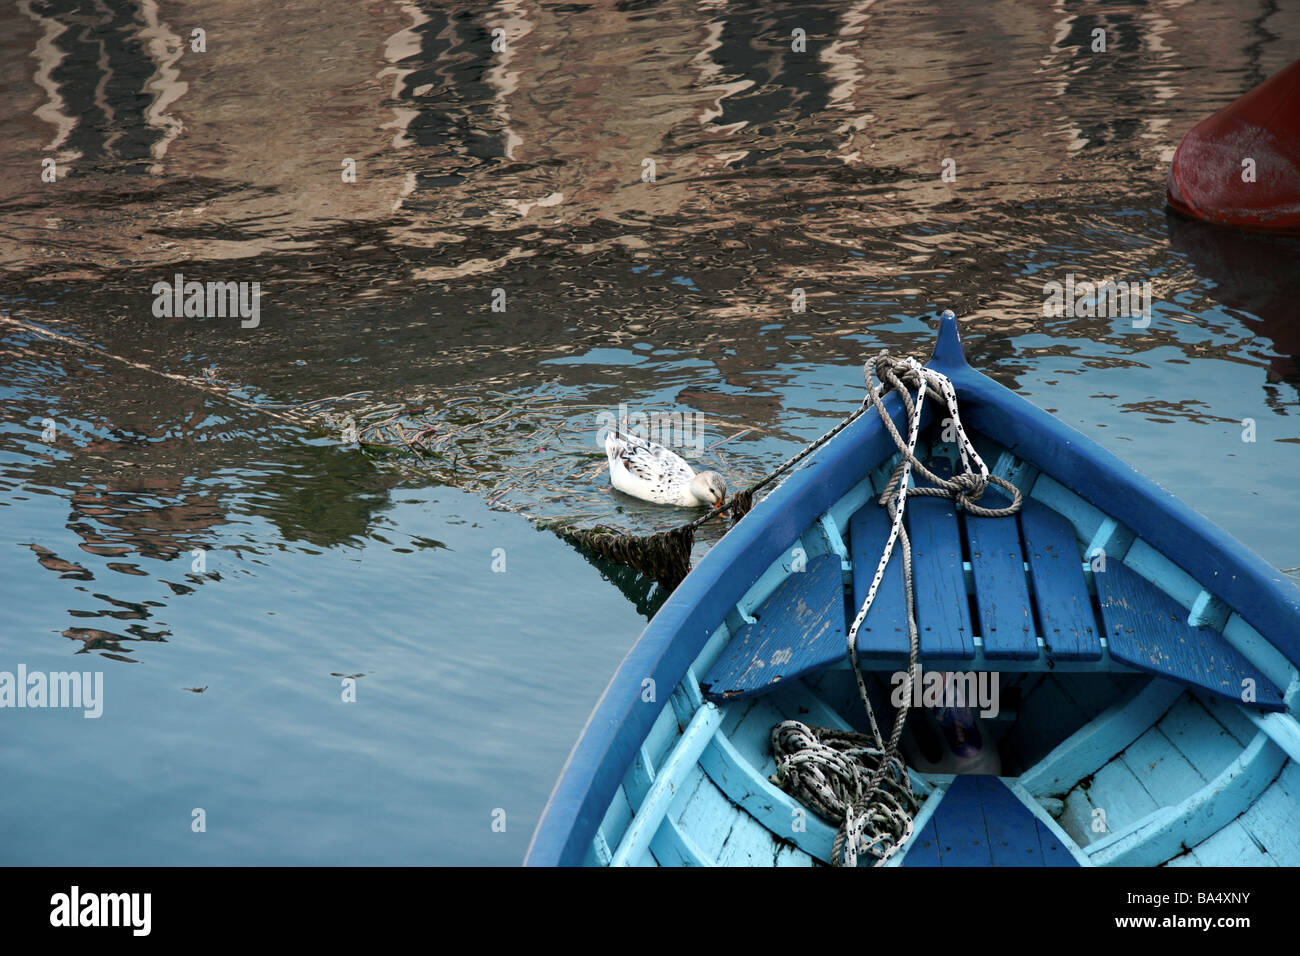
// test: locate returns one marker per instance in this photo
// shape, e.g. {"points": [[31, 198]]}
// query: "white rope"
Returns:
{"points": [[857, 779]]}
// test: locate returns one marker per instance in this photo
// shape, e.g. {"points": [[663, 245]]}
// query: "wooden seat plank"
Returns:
{"points": [[800, 628], [959, 825], [980, 822], [885, 629], [942, 605], [1060, 589], [1148, 629], [1001, 591]]}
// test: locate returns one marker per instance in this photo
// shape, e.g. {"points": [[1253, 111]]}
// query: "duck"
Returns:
{"points": [[652, 473]]}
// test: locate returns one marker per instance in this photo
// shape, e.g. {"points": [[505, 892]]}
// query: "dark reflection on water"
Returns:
{"points": [[1257, 275], [166, 526]]}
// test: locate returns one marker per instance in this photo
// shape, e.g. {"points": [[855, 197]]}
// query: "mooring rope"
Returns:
{"points": [[665, 555], [859, 780]]}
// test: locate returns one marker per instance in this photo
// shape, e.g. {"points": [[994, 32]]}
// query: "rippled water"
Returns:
{"points": [[521, 170]]}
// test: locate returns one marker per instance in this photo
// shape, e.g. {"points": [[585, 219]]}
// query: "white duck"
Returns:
{"points": [[651, 472]]}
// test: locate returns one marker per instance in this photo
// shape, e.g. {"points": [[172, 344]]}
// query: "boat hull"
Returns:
{"points": [[665, 764]]}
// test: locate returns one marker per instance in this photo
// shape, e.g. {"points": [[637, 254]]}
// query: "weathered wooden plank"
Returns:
{"points": [[942, 605], [923, 847], [980, 822], [1012, 830], [668, 781], [1233, 845], [1057, 846], [673, 846], [885, 629], [1283, 729], [1270, 821], [1060, 591], [800, 628], [759, 798], [617, 817], [1105, 736], [959, 825], [1161, 768], [748, 844], [1161, 835], [1200, 738], [1148, 629], [1119, 796], [1001, 591]]}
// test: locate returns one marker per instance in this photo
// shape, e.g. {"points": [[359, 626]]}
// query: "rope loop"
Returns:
{"points": [[860, 780]]}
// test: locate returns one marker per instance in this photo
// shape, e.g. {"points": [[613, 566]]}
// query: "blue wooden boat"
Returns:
{"points": [[1146, 664]]}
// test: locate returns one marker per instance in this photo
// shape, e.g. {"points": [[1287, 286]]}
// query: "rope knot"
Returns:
{"points": [[968, 487]]}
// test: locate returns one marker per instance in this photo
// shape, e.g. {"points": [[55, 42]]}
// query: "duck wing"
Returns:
{"points": [[647, 461]]}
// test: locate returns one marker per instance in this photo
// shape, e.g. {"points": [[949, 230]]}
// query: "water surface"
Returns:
{"points": [[517, 174]]}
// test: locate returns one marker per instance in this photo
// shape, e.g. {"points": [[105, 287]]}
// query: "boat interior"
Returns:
{"points": [[1139, 721]]}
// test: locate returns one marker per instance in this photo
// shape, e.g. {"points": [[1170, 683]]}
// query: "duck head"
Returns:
{"points": [[709, 488]]}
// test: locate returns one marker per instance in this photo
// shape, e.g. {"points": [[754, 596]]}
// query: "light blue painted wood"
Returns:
{"points": [[1117, 793], [1161, 835], [691, 686], [1102, 540], [1208, 611], [617, 817], [713, 649], [1205, 742], [705, 813], [834, 541], [1093, 746], [1271, 820], [748, 844], [601, 851], [764, 801], [1271, 662], [843, 509], [650, 812], [1008, 466], [1161, 768], [1083, 517], [663, 734], [792, 856], [1232, 717], [640, 778], [1231, 846], [1282, 729], [672, 846]]}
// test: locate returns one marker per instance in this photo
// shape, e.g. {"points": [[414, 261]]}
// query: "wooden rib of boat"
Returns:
{"points": [[1146, 700]]}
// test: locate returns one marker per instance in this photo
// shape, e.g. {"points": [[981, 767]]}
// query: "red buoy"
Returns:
{"points": [[1241, 167]]}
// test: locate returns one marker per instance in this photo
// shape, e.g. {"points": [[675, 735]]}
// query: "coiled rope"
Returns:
{"points": [[860, 780]]}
